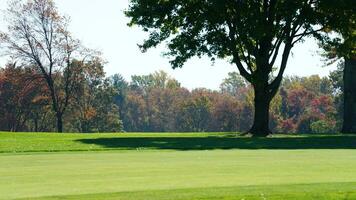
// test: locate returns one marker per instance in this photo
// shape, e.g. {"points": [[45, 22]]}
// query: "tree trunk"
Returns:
{"points": [[349, 124], [59, 123], [36, 124], [260, 127]]}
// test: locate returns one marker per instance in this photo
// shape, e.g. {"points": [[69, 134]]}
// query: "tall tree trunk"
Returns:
{"points": [[349, 124], [262, 100], [59, 122]]}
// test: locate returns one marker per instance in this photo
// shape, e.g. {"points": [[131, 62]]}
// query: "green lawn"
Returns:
{"points": [[176, 166]]}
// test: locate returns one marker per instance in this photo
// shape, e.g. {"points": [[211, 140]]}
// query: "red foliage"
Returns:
{"points": [[287, 126], [21, 89], [298, 100]]}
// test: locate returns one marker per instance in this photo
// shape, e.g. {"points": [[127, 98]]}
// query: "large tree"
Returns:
{"points": [[342, 45], [252, 34], [38, 35]]}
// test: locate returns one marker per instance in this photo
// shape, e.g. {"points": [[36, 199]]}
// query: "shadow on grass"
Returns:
{"points": [[227, 142]]}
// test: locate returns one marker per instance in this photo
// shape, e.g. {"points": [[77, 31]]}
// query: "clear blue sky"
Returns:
{"points": [[101, 24]]}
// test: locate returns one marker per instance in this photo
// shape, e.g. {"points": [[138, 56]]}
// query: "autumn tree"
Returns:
{"points": [[94, 102], [38, 36], [160, 93], [250, 34], [20, 92], [304, 101], [226, 113], [195, 112], [135, 113]]}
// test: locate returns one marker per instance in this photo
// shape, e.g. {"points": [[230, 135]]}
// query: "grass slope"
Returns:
{"points": [[176, 166]]}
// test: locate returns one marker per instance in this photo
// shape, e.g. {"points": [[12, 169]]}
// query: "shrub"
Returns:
{"points": [[322, 126]]}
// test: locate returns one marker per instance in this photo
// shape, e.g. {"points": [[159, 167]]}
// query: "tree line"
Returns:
{"points": [[26, 102], [158, 103]]}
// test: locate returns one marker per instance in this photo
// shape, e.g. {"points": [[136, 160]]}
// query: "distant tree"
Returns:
{"points": [[336, 79], [20, 94], [306, 100], [322, 126], [305, 121], [135, 112], [317, 85], [142, 83], [284, 104], [323, 105], [234, 84], [287, 126], [106, 118], [195, 113], [158, 79], [225, 113], [275, 112], [158, 108], [38, 36], [121, 86], [94, 102], [158, 90], [251, 34], [298, 101]]}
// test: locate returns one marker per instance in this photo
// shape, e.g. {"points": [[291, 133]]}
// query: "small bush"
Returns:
{"points": [[322, 126]]}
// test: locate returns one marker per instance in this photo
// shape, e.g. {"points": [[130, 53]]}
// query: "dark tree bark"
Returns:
{"points": [[260, 127], [36, 123], [59, 123], [349, 124]]}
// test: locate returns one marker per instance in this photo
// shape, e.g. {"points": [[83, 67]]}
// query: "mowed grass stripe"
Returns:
{"points": [[63, 174], [344, 191]]}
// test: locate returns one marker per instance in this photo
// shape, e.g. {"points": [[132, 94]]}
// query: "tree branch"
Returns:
{"points": [[236, 58]]}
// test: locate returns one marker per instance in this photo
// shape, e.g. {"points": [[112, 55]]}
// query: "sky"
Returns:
{"points": [[102, 25]]}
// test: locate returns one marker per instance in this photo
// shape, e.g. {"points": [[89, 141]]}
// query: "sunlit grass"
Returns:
{"points": [[185, 166]]}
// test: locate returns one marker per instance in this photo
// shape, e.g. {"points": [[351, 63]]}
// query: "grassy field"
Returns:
{"points": [[176, 166]]}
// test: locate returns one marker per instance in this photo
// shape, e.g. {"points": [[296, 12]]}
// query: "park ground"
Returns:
{"points": [[182, 166]]}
